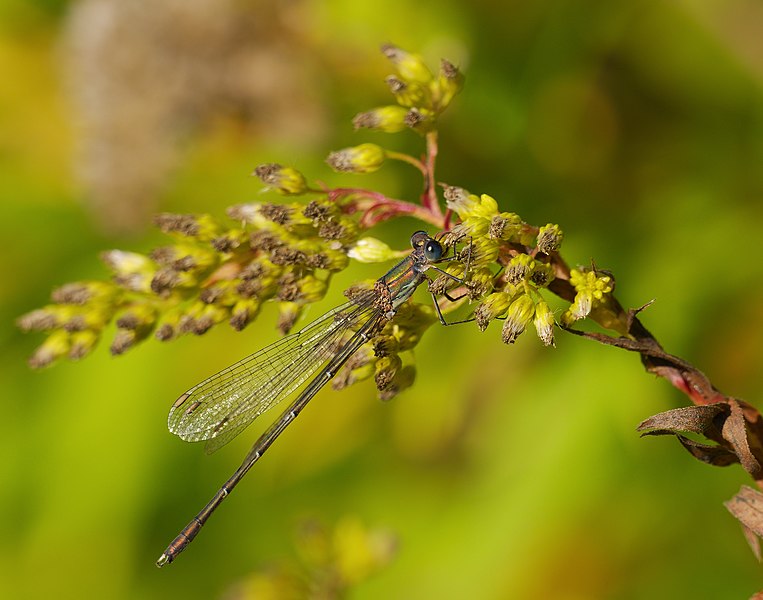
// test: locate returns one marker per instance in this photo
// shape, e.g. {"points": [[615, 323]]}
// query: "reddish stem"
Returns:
{"points": [[429, 198], [370, 202]]}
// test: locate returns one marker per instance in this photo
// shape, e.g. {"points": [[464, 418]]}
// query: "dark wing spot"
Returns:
{"points": [[219, 426], [179, 402], [192, 408]]}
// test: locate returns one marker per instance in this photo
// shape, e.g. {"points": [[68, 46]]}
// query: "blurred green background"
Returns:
{"points": [[506, 471]]}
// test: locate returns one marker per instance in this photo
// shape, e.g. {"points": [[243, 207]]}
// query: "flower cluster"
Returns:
{"points": [[524, 255], [211, 273], [421, 96]]}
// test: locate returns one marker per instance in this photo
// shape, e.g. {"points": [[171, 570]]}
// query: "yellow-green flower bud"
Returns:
{"points": [[549, 238], [450, 81], [371, 250], [364, 158], [542, 274], [222, 292], [410, 67], [480, 283], [50, 317], [124, 339], [309, 245], [443, 283], [470, 227], [518, 316], [88, 317], [54, 347], [470, 205], [526, 236], [122, 262], [385, 344], [81, 292], [287, 256], [567, 318], [386, 368], [488, 207], [285, 180], [290, 216], [166, 279], [493, 306], [459, 200], [519, 268], [134, 326], [411, 319], [544, 323], [244, 312], [132, 271], [202, 227], [329, 260], [311, 289], [342, 229], [483, 250], [360, 366], [169, 324], [138, 316], [505, 226], [263, 286], [229, 240], [408, 94], [266, 239], [82, 343], [209, 316], [247, 214], [420, 120], [184, 257], [320, 211], [407, 338], [288, 313], [581, 306], [389, 119], [198, 318], [402, 380]]}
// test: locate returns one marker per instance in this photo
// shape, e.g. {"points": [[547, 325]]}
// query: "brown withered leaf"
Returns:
{"points": [[695, 419], [737, 427], [717, 456], [722, 423], [747, 507]]}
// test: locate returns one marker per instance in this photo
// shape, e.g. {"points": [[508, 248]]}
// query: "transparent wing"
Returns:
{"points": [[225, 404]]}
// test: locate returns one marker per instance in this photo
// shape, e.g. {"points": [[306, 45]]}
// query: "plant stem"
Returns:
{"points": [[378, 208], [409, 159], [429, 198]]}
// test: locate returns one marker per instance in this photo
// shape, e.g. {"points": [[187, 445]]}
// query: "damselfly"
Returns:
{"points": [[222, 406]]}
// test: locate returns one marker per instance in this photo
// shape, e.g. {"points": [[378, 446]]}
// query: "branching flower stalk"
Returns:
{"points": [[214, 271]]}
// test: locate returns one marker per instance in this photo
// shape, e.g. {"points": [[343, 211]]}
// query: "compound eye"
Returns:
{"points": [[433, 250]]}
